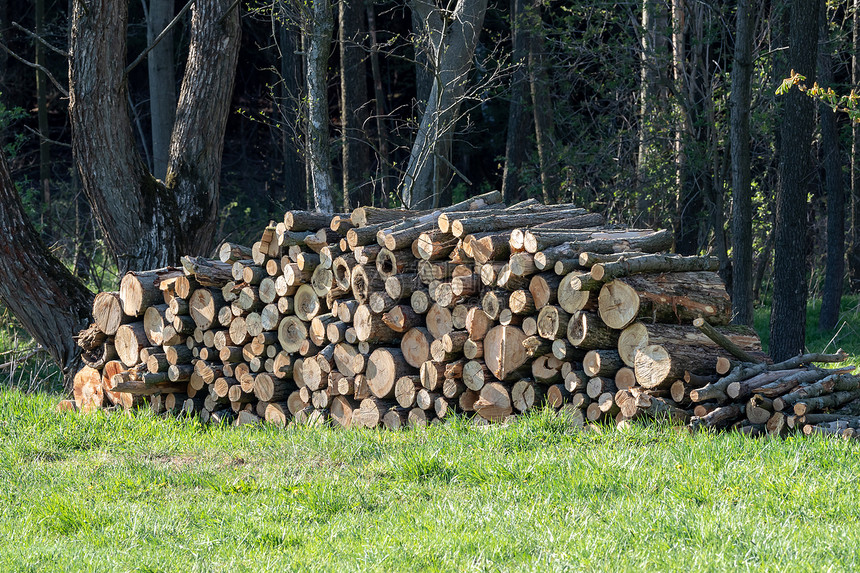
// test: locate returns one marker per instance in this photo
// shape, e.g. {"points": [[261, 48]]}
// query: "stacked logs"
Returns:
{"points": [[390, 318]]}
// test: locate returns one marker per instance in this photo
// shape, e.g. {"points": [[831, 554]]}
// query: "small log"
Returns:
{"points": [[108, 314], [370, 327], [602, 362], [130, 339], [494, 403], [718, 418], [655, 263], [504, 352], [525, 395], [203, 306], [292, 332]]}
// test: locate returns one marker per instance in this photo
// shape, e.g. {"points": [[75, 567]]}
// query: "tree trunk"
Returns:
{"points": [[162, 84], [742, 237], [197, 143], [353, 105], [542, 108], [381, 197], [291, 79], [832, 160], [47, 299], [652, 46], [318, 30], [518, 119], [693, 133], [788, 315], [452, 38], [854, 253], [147, 224]]}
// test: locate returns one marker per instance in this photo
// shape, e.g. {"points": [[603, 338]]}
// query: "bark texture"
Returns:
{"points": [[834, 272], [147, 224], [318, 29], [518, 119], [742, 264], [788, 318], [354, 107], [47, 299]]}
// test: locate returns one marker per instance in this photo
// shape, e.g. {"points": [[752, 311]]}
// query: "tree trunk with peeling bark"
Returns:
{"points": [[147, 223], [318, 29]]}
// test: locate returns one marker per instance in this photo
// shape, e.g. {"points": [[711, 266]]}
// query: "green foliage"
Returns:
{"points": [[846, 335], [8, 118], [848, 104], [108, 492]]}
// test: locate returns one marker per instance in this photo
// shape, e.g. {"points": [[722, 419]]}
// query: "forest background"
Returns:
{"points": [[658, 113]]}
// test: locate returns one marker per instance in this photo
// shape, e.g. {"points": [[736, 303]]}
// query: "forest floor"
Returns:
{"points": [[135, 492]]}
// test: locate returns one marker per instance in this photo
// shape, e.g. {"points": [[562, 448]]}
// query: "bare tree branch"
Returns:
{"points": [[45, 138], [41, 40], [163, 33], [42, 69]]}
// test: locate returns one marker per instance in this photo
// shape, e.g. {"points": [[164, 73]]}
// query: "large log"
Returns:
{"points": [[504, 352], [384, 367], [670, 336], [670, 298], [140, 290]]}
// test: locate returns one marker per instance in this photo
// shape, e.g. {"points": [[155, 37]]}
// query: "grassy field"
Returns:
{"points": [[106, 492], [119, 492]]}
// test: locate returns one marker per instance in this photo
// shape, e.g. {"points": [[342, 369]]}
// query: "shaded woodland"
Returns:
{"points": [[137, 132]]}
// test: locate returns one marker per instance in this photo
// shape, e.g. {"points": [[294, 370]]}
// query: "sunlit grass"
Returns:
{"points": [[135, 492], [108, 492]]}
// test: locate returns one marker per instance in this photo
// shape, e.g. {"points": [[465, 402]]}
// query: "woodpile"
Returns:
{"points": [[394, 318]]}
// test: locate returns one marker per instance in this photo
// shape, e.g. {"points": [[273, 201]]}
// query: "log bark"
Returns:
{"points": [[585, 330], [656, 263], [671, 298], [641, 334]]}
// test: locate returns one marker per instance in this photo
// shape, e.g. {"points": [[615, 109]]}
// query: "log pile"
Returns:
{"points": [[394, 318]]}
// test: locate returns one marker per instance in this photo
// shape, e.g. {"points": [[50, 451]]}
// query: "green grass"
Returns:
{"points": [[112, 492], [118, 492]]}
